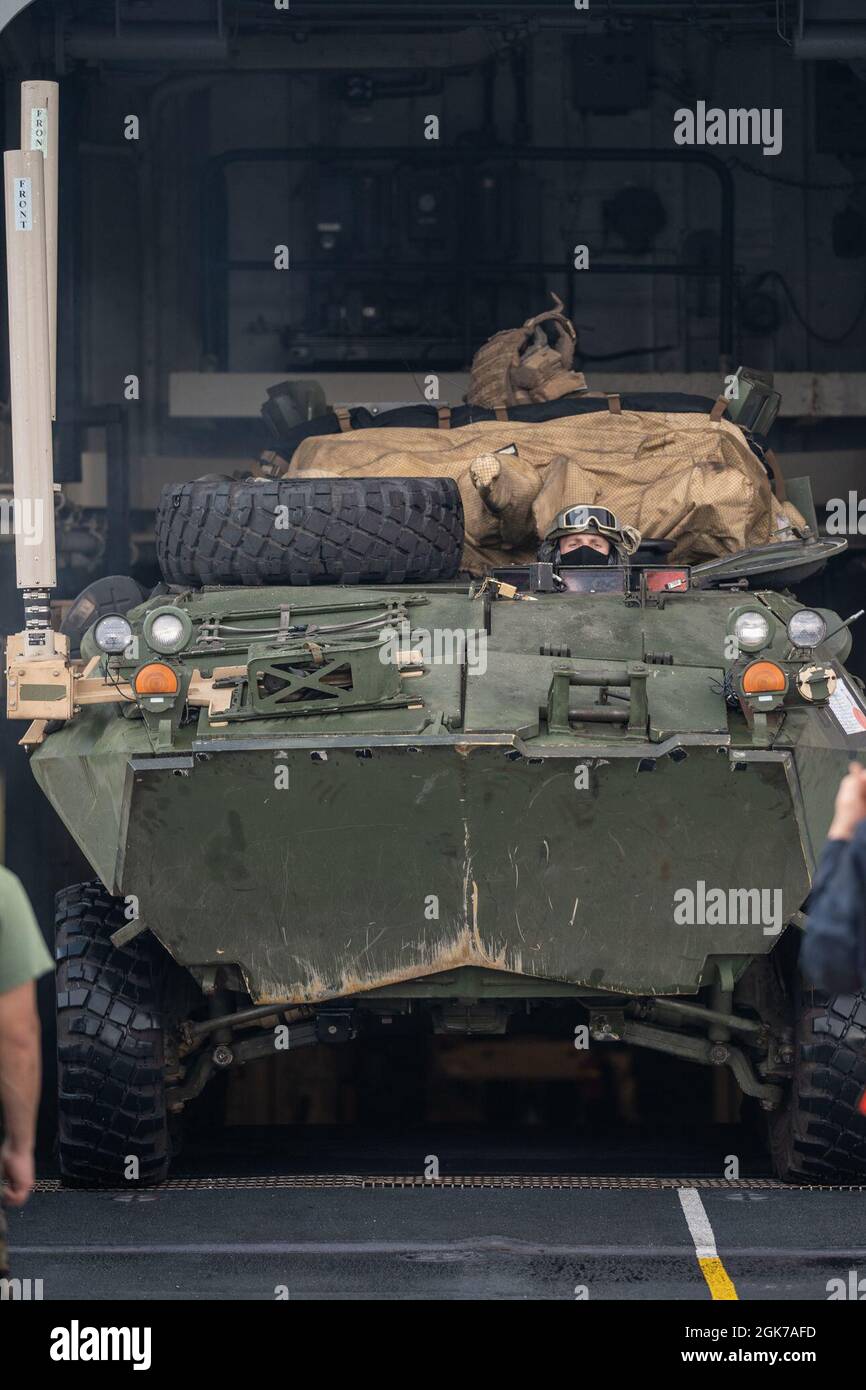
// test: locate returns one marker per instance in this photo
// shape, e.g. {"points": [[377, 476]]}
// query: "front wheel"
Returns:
{"points": [[820, 1133], [111, 1066]]}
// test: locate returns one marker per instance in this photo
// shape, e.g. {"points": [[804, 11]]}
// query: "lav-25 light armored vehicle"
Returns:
{"points": [[604, 806], [314, 805]]}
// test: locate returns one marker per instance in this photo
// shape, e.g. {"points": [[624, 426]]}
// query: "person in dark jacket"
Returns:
{"points": [[833, 955]]}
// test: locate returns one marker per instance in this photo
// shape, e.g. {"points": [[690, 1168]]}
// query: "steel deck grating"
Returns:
{"points": [[475, 1181]]}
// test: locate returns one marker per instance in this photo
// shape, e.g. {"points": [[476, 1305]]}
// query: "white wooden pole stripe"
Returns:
{"points": [[30, 375], [40, 130]]}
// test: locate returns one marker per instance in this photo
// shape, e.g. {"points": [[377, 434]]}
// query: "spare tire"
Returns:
{"points": [[310, 531]]}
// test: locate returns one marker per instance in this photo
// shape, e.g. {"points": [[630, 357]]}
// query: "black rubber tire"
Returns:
{"points": [[820, 1134], [110, 1055], [340, 531], [116, 593]]}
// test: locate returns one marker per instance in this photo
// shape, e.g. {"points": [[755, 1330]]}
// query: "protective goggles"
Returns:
{"points": [[586, 519]]}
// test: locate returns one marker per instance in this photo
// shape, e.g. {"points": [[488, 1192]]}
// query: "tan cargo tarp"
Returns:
{"points": [[684, 477]]}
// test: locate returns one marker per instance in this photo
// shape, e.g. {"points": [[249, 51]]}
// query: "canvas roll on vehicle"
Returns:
{"points": [[327, 779]]}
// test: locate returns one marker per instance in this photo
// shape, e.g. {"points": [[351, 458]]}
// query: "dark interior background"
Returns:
{"points": [[260, 127]]}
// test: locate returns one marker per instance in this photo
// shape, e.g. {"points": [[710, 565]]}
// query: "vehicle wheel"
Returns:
{"points": [[333, 531], [116, 593], [820, 1134], [111, 1073]]}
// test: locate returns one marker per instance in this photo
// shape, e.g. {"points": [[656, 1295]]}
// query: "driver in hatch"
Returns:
{"points": [[588, 536]]}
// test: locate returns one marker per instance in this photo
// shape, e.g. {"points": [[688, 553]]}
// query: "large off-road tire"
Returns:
{"points": [[111, 1073], [333, 531], [820, 1134]]}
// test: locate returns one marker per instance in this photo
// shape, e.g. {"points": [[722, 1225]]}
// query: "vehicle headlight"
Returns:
{"points": [[807, 628], [167, 630], [112, 634], [752, 630]]}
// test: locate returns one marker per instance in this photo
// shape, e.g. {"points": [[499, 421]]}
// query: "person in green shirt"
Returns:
{"points": [[23, 958]]}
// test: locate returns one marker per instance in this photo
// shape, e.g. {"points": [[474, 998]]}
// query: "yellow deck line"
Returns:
{"points": [[719, 1282]]}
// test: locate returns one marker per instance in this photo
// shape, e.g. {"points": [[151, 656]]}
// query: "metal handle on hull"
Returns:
{"points": [[633, 676]]}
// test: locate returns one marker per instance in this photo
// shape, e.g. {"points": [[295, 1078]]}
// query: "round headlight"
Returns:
{"points": [[807, 628], [763, 678], [752, 631], [167, 630], [112, 634]]}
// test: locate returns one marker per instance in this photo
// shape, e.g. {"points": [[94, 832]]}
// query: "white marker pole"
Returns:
{"points": [[40, 130], [30, 383]]}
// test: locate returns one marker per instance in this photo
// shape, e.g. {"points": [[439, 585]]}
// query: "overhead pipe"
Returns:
{"points": [[843, 42], [148, 43], [306, 52]]}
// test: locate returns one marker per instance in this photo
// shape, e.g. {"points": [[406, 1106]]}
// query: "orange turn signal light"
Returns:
{"points": [[156, 679], [764, 678]]}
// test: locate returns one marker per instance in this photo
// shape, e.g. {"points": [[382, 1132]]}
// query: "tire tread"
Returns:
{"points": [[111, 1070], [821, 1134], [342, 531]]}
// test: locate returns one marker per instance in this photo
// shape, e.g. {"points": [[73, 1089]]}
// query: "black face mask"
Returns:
{"points": [[584, 555]]}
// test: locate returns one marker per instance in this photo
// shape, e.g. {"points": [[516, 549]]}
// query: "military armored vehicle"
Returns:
{"points": [[304, 821], [327, 783]]}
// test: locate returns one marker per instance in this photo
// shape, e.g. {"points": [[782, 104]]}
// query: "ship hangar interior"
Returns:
{"points": [[198, 135]]}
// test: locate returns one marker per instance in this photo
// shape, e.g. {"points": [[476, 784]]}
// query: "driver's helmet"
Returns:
{"points": [[589, 520]]}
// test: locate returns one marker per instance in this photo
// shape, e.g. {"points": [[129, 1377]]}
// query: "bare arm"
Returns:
{"points": [[20, 1074]]}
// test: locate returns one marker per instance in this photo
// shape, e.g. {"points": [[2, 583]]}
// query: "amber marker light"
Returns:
{"points": [[764, 678], [155, 679]]}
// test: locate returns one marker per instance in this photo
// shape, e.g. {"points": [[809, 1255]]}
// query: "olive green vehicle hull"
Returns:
{"points": [[318, 856], [376, 871]]}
